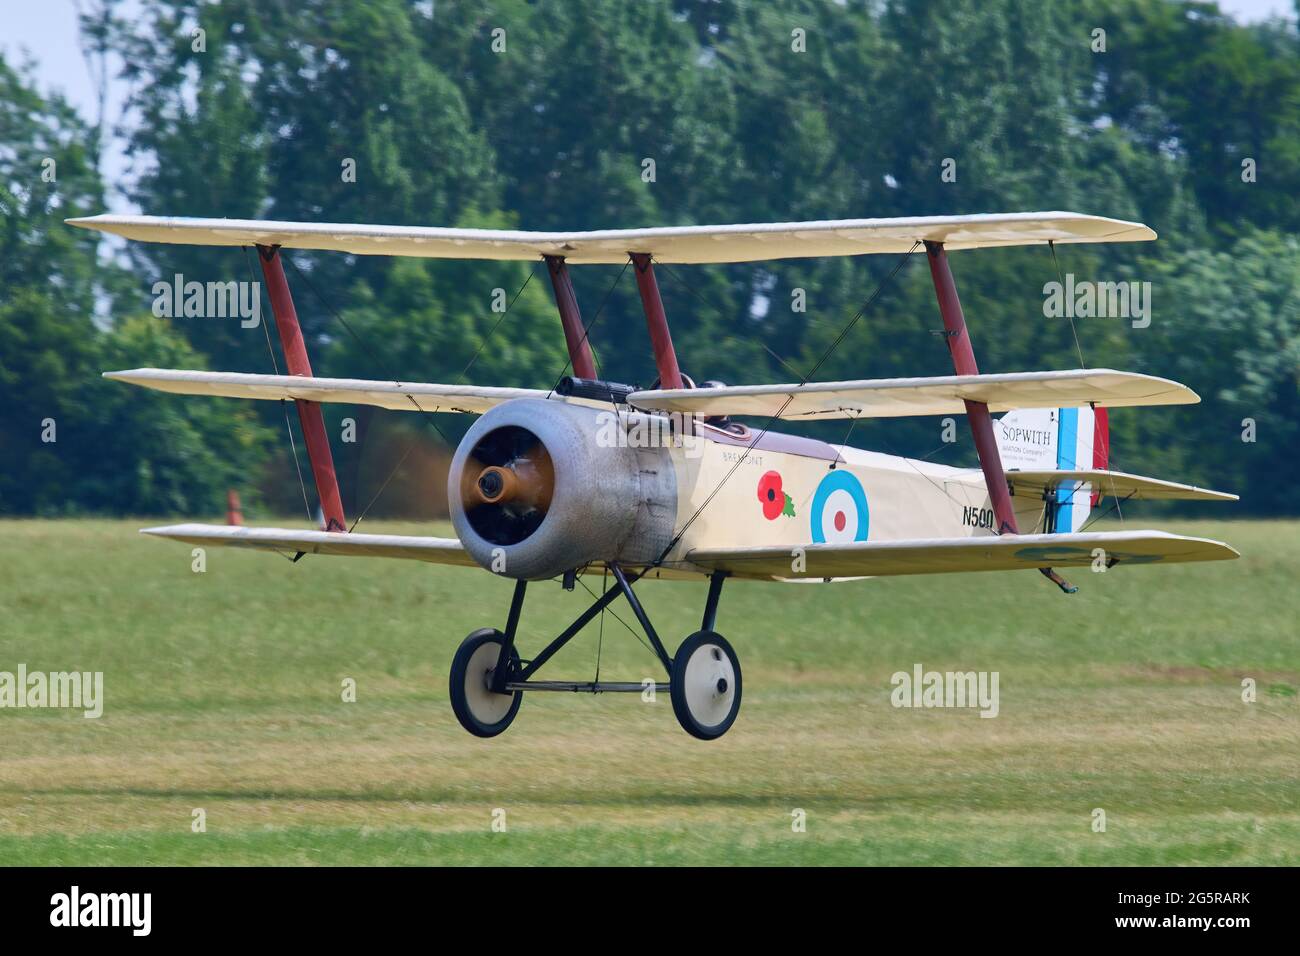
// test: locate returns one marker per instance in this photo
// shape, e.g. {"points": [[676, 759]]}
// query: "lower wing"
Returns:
{"points": [[286, 540], [289, 541], [810, 562], [945, 555]]}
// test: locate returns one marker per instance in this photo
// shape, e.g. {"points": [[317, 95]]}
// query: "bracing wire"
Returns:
{"points": [[614, 614], [776, 416], [1069, 312]]}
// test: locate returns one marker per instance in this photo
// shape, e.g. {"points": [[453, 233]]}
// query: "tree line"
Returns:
{"points": [[606, 114]]}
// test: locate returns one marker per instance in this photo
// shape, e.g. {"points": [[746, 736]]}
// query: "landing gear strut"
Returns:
{"points": [[488, 678]]}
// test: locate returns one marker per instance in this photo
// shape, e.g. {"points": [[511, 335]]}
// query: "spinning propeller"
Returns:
{"points": [[507, 484]]}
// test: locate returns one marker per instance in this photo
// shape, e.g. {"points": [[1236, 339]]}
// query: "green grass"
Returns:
{"points": [[223, 694]]}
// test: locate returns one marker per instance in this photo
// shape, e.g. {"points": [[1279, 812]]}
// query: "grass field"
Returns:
{"points": [[223, 693]]}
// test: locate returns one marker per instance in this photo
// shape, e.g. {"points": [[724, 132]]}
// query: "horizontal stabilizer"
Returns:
{"points": [[1116, 484], [941, 395], [672, 244], [435, 550], [399, 396], [945, 555]]}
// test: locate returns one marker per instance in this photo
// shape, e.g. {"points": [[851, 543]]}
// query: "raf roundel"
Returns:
{"points": [[839, 510]]}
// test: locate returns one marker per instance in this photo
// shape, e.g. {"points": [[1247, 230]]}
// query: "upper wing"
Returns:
{"points": [[673, 244], [435, 550], [944, 555], [400, 396], [940, 395], [1119, 484]]}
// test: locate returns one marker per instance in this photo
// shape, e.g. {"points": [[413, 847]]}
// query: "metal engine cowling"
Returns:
{"points": [[537, 488]]}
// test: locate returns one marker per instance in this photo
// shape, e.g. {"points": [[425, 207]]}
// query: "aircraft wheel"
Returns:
{"points": [[705, 685], [479, 710]]}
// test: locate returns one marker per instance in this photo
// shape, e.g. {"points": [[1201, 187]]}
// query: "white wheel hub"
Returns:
{"points": [[709, 684], [485, 705]]}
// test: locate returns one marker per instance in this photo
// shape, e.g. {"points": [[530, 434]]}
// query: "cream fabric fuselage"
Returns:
{"points": [[764, 498]]}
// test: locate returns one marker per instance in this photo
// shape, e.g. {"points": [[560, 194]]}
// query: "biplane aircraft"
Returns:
{"points": [[555, 484]]}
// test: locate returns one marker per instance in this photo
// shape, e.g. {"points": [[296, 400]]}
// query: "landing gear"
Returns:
{"points": [[481, 710], [705, 685], [488, 679]]}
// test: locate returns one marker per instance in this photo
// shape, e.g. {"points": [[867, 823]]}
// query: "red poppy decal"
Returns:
{"points": [[775, 501]]}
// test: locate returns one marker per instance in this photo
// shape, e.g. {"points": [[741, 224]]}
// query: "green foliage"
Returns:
{"points": [[47, 336], [507, 113], [268, 120], [1236, 332], [1184, 78], [166, 457]]}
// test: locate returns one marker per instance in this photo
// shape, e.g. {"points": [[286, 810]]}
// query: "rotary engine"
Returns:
{"points": [[539, 487]]}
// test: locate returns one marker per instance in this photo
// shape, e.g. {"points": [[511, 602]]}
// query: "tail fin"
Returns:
{"points": [[1100, 446], [1062, 438]]}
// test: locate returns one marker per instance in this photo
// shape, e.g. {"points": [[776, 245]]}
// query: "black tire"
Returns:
{"points": [[706, 685], [481, 712]]}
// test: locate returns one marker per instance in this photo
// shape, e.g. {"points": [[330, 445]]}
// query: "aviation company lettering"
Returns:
{"points": [[1027, 438]]}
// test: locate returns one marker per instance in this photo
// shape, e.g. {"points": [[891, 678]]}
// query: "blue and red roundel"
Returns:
{"points": [[839, 510]]}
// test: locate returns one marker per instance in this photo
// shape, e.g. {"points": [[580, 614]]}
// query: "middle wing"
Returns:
{"points": [[939, 395], [399, 396], [944, 555]]}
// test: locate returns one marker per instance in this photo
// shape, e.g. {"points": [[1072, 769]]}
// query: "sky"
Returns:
{"points": [[47, 29]]}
